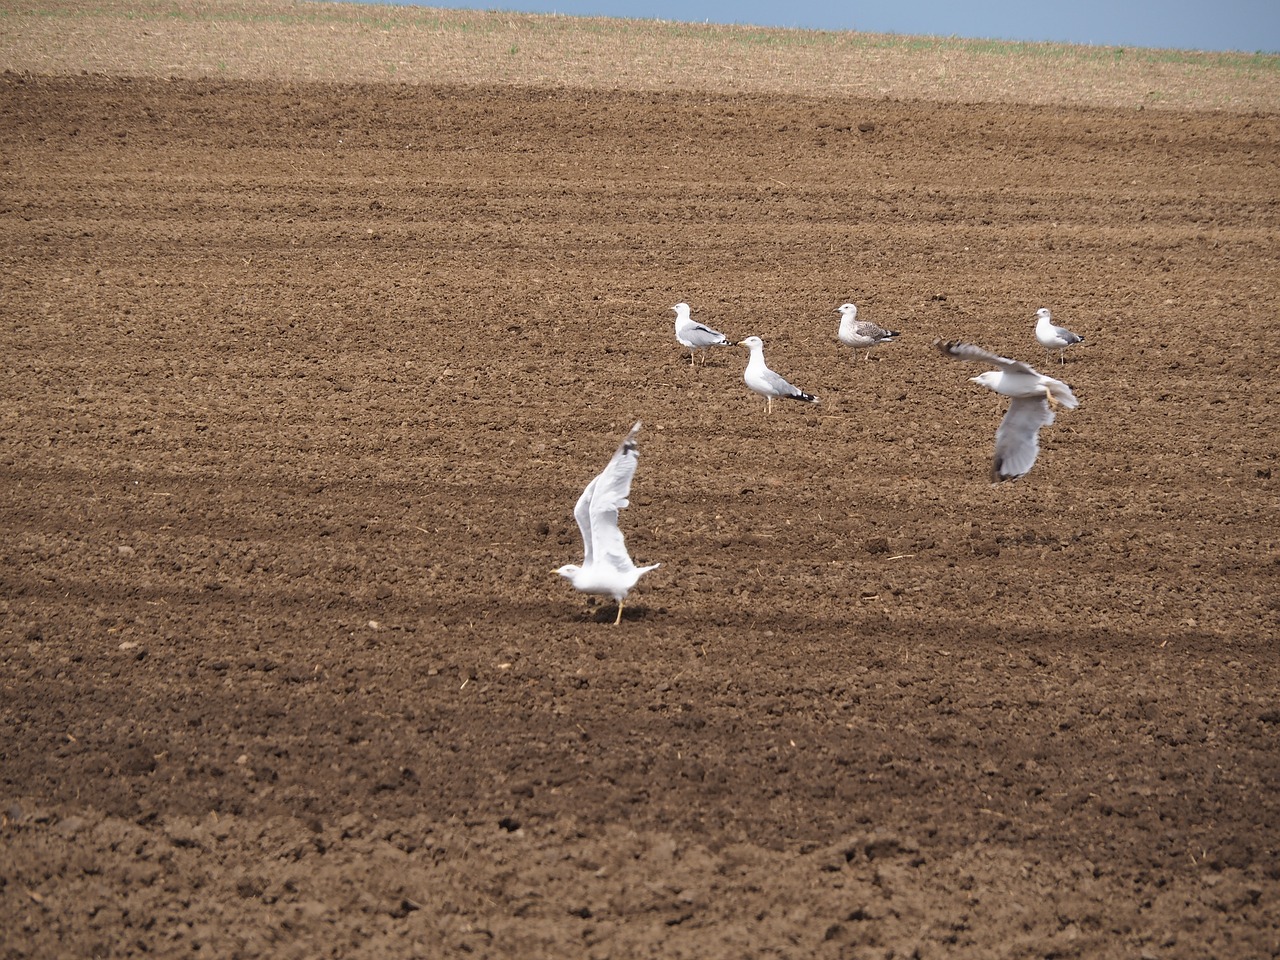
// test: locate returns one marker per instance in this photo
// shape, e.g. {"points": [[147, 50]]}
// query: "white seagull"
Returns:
{"points": [[695, 336], [862, 334], [764, 381], [1030, 407], [1054, 337], [607, 568]]}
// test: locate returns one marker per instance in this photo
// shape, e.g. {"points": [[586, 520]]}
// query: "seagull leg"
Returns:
{"points": [[618, 619]]}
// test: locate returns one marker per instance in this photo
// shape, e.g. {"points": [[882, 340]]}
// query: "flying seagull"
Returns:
{"points": [[606, 567], [764, 381], [1030, 407], [695, 336], [862, 334], [1054, 337]]}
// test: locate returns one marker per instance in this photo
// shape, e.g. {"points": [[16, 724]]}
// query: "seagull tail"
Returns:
{"points": [[1063, 395], [801, 395]]}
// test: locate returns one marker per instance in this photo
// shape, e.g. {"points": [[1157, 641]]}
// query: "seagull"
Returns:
{"points": [[764, 381], [1053, 337], [862, 334], [607, 568], [695, 336], [1030, 407]]}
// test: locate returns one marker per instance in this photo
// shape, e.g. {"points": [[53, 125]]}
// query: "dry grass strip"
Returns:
{"points": [[305, 41]]}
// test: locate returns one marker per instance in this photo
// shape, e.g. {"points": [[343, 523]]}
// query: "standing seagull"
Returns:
{"points": [[862, 334], [607, 568], [695, 336], [1053, 337], [764, 381], [1030, 407]]}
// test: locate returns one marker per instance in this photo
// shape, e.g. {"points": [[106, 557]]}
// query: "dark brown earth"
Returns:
{"points": [[300, 385]]}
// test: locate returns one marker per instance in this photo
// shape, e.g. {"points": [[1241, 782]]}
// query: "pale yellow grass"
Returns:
{"points": [[283, 40]]}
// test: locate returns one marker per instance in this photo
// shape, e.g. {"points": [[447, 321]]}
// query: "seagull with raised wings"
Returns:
{"points": [[1032, 396], [606, 567]]}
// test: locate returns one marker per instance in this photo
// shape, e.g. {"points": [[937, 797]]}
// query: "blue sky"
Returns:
{"points": [[1247, 25]]}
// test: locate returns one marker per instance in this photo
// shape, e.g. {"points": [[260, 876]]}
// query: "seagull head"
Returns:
{"points": [[569, 571], [989, 379], [681, 309], [1043, 314], [848, 309], [751, 342]]}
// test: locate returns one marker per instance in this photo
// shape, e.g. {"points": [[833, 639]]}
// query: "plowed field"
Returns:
{"points": [[301, 383]]}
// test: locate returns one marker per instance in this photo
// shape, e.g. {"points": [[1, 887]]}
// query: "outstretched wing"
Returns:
{"points": [[968, 351], [582, 513], [608, 494], [1018, 437]]}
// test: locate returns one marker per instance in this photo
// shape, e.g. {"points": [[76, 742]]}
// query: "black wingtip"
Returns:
{"points": [[629, 443], [999, 476]]}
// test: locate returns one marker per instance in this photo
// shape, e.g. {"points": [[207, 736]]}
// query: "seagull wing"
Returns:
{"points": [[698, 335], [609, 492], [865, 328], [968, 351], [582, 513], [1018, 437], [708, 335], [780, 386]]}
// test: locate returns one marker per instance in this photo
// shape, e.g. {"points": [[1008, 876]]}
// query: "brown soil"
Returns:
{"points": [[301, 383]]}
